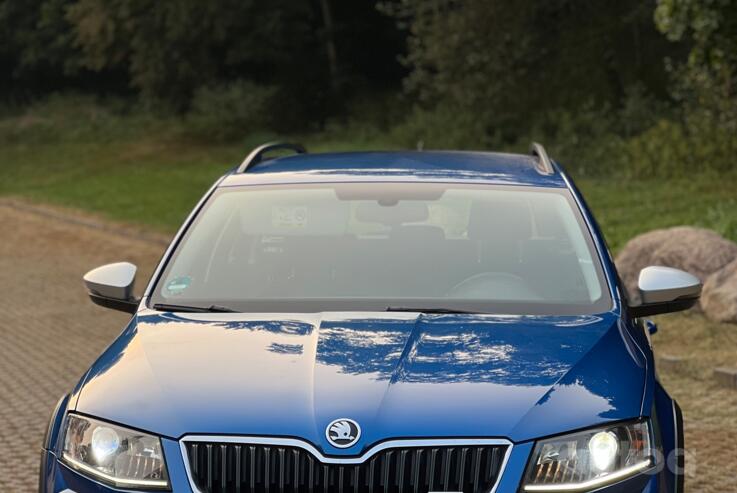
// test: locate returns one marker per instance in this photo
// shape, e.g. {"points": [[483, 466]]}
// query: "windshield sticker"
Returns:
{"points": [[289, 217], [178, 285]]}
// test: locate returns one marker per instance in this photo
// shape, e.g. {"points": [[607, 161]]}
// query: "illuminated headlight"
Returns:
{"points": [[590, 459], [114, 455]]}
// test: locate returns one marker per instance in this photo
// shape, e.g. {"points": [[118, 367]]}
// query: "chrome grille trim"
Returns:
{"points": [[308, 447]]}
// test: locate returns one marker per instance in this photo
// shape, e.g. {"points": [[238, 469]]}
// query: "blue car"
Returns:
{"points": [[388, 322]]}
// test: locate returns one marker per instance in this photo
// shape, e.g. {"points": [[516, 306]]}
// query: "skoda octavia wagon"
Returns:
{"points": [[396, 322]]}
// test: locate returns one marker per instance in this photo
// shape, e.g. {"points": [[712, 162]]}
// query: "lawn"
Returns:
{"points": [[151, 172], [625, 208], [149, 179]]}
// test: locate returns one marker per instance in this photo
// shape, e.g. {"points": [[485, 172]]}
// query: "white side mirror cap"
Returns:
{"points": [[660, 284], [112, 280]]}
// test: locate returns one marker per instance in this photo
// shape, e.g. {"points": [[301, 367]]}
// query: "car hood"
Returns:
{"points": [[399, 375]]}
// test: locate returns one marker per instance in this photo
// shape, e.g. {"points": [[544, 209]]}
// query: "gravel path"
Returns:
{"points": [[50, 333]]}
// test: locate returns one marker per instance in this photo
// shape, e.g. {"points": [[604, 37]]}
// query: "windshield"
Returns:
{"points": [[379, 246]]}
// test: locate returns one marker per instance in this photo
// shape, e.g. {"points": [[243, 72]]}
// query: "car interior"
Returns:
{"points": [[493, 246]]}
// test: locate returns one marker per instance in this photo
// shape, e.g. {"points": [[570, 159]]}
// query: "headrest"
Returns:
{"points": [[421, 233], [500, 218]]}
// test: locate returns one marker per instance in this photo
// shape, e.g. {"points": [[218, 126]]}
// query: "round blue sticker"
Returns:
{"points": [[178, 285]]}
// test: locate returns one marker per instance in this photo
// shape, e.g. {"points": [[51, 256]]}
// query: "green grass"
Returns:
{"points": [[151, 177], [627, 208], [151, 172]]}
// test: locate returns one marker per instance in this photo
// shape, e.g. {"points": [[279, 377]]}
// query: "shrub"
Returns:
{"points": [[441, 127], [671, 147], [591, 140], [232, 110], [77, 117], [585, 141]]}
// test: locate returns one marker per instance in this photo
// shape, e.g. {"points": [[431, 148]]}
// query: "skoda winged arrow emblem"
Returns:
{"points": [[343, 432]]}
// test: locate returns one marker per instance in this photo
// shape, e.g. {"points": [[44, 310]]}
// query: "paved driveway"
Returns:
{"points": [[50, 333]]}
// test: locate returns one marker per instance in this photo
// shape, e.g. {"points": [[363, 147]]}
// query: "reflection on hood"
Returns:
{"points": [[398, 374]]}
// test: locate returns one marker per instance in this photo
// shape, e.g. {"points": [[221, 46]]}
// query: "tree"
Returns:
{"points": [[171, 48], [710, 27], [505, 63], [312, 54], [35, 48]]}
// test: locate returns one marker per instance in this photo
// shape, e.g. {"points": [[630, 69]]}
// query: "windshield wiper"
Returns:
{"points": [[194, 309], [428, 310]]}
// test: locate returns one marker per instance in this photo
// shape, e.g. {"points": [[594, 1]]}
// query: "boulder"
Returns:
{"points": [[719, 298], [699, 251]]}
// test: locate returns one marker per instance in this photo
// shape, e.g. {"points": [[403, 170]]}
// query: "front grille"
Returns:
{"points": [[257, 468]]}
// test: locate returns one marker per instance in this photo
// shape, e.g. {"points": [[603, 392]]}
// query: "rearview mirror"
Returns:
{"points": [[665, 290], [111, 286]]}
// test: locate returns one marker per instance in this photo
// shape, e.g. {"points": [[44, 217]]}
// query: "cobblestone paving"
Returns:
{"points": [[709, 411], [50, 333]]}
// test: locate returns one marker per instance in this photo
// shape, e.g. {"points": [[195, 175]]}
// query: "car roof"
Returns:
{"points": [[398, 166]]}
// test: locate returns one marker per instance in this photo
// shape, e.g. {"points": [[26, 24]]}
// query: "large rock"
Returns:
{"points": [[696, 250], [719, 298]]}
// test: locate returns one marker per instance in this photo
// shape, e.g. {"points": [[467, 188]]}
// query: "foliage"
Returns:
{"points": [[172, 48], [592, 139], [35, 48], [441, 127], [231, 110], [499, 75], [162, 53], [75, 117], [711, 28], [503, 64], [595, 138], [589, 78], [675, 148]]}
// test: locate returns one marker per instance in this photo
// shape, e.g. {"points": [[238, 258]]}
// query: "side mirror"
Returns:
{"points": [[665, 290], [111, 286]]}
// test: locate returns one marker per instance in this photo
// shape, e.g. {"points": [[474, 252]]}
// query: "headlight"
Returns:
{"points": [[590, 459], [114, 455]]}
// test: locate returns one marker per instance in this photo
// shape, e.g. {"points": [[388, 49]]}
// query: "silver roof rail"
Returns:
{"points": [[257, 155], [544, 164]]}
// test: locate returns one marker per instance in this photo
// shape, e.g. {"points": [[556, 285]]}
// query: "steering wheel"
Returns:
{"points": [[492, 285]]}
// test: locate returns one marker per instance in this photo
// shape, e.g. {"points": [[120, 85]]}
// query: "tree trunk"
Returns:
{"points": [[327, 17]]}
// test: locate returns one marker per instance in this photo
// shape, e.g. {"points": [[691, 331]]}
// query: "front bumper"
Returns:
{"points": [[58, 478]]}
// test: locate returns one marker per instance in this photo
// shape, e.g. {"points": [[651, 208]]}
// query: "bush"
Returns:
{"points": [[77, 117], [231, 111], [585, 141], [592, 140], [441, 127], [670, 147]]}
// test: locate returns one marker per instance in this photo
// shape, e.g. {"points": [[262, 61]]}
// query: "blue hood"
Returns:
{"points": [[400, 375]]}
